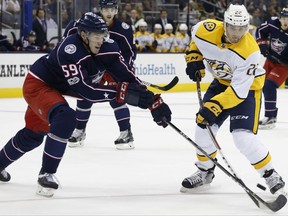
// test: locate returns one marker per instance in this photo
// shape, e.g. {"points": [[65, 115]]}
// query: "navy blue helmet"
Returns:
{"points": [[284, 12], [91, 22], [108, 3]]}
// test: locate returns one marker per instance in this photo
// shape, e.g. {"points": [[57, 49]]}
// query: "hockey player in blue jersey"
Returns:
{"points": [[122, 34], [70, 69], [272, 38]]}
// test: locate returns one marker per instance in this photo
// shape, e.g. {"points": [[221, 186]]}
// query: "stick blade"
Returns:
{"points": [[277, 204], [171, 84]]}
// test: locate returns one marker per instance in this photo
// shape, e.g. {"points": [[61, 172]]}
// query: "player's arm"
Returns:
{"points": [[194, 59], [262, 38]]}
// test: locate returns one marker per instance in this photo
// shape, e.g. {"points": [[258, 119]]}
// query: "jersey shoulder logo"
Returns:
{"points": [[209, 26], [125, 25], [70, 48]]}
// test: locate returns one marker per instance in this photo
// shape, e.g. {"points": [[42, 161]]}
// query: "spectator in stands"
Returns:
{"points": [[169, 39], [142, 39], [139, 9], [133, 19], [50, 21], [157, 39], [163, 20], [13, 6], [127, 8], [5, 44], [39, 26], [182, 39], [27, 43]]}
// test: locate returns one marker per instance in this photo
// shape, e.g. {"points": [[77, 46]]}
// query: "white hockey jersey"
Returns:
{"points": [[234, 65]]}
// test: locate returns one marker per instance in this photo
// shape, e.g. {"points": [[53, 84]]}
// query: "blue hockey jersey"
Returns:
{"points": [[72, 70], [278, 39]]}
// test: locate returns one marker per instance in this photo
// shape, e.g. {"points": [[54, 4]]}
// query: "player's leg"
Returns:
{"points": [[48, 107], [274, 78], [205, 173], [243, 125], [122, 115], [83, 111]]}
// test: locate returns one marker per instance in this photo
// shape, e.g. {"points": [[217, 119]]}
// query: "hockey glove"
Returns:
{"points": [[264, 48], [134, 94], [210, 111], [160, 111], [195, 67]]}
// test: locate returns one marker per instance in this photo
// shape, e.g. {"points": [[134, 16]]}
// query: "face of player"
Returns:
{"points": [[94, 41], [235, 33], [168, 31], [157, 31], [108, 14], [284, 23]]}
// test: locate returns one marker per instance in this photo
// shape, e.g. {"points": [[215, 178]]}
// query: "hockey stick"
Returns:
{"points": [[216, 144], [274, 206], [163, 88], [279, 61]]}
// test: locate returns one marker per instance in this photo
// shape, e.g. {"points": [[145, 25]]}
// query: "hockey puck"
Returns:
{"points": [[261, 187]]}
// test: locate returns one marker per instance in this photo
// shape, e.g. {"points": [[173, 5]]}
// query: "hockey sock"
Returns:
{"points": [[83, 112], [25, 140], [122, 115], [270, 95], [62, 124]]}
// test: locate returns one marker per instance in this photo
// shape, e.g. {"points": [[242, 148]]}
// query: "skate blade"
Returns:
{"points": [[199, 189], [79, 144], [267, 127], [46, 192], [125, 146]]}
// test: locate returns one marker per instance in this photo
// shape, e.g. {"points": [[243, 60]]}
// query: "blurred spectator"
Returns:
{"points": [[5, 44], [133, 19], [157, 44], [39, 26], [182, 39], [147, 5], [169, 39], [163, 20], [139, 9], [256, 18], [142, 39], [27, 43], [194, 13], [13, 6], [122, 16], [127, 8], [50, 21]]}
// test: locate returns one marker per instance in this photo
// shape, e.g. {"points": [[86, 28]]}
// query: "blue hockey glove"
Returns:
{"points": [[134, 94], [195, 67], [210, 111], [160, 111]]}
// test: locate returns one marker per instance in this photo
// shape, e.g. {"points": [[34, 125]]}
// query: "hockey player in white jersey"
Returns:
{"points": [[231, 54]]}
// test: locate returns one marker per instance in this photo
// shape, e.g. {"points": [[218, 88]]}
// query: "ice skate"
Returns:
{"points": [[4, 176], [47, 184], [125, 140], [267, 123], [274, 181], [198, 179], [77, 138]]}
